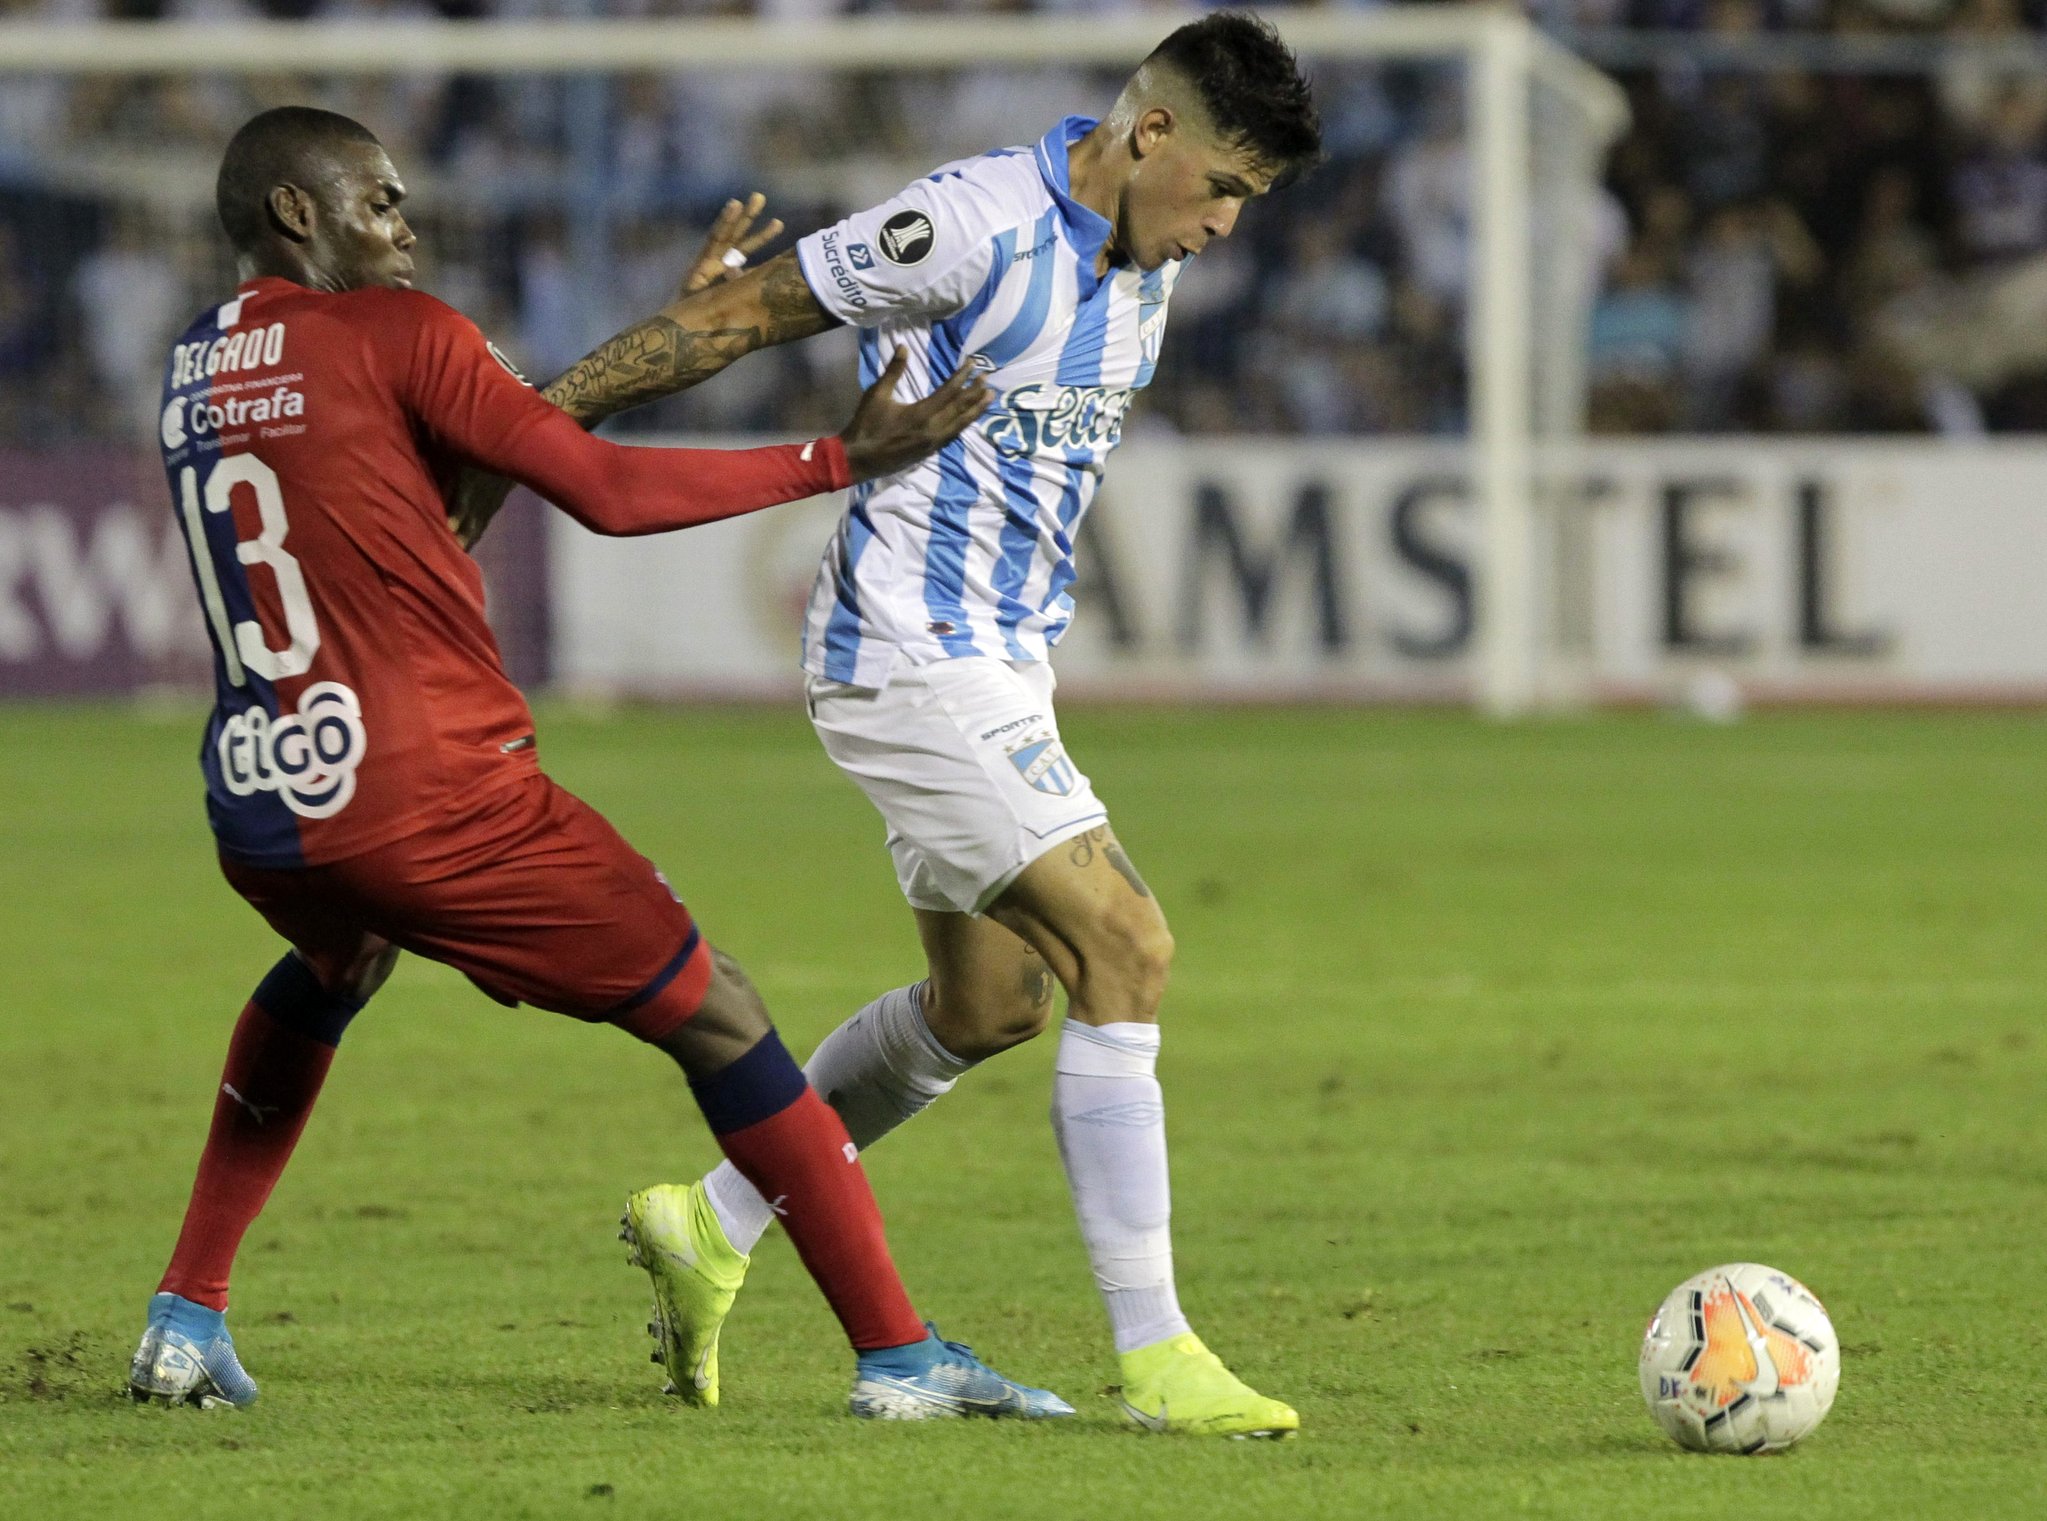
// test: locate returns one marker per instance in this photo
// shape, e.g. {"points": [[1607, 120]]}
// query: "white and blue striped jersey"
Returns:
{"points": [[970, 552]]}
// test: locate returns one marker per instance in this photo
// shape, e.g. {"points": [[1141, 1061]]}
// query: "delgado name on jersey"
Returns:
{"points": [[991, 261]]}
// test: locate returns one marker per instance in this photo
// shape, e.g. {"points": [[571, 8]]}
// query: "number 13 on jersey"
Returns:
{"points": [[245, 647]]}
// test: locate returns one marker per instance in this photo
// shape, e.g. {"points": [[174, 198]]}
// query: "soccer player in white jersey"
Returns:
{"points": [[926, 647]]}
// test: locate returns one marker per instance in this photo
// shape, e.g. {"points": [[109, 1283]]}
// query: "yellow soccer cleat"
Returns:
{"points": [[1178, 1385], [676, 1237]]}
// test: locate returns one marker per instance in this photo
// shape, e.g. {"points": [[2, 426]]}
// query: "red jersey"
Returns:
{"points": [[312, 441]]}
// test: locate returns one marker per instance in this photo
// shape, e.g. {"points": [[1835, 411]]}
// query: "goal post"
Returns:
{"points": [[1538, 121]]}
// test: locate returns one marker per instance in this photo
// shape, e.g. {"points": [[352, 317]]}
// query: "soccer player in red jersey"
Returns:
{"points": [[371, 773]]}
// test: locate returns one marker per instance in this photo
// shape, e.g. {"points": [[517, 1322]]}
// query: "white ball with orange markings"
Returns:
{"points": [[1741, 1358]]}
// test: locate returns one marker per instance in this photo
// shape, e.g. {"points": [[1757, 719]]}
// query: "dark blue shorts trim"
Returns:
{"points": [[660, 980]]}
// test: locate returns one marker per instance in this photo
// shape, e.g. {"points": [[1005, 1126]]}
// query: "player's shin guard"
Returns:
{"points": [[795, 1150], [276, 1063], [1110, 1119]]}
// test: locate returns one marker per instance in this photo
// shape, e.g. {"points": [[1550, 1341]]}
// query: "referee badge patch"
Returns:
{"points": [[906, 238], [1041, 760]]}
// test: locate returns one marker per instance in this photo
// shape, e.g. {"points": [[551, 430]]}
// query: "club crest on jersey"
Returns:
{"points": [[1041, 760], [1151, 335], [906, 238], [308, 758]]}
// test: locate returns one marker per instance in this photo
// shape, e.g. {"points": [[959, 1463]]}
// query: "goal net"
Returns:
{"points": [[1432, 280]]}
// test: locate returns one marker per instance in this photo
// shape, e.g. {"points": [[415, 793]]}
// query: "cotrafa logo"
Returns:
{"points": [[190, 417]]}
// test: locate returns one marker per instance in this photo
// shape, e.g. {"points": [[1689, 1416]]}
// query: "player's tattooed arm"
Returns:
{"points": [[791, 308], [692, 339], [647, 361]]}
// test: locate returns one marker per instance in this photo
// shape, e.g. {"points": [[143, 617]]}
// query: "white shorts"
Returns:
{"points": [[963, 759]]}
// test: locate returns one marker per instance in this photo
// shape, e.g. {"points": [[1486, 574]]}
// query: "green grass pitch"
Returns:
{"points": [[1480, 1039]]}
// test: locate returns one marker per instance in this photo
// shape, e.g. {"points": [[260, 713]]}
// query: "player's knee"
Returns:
{"points": [[975, 1023], [1131, 954], [732, 1005], [727, 1022], [370, 972]]}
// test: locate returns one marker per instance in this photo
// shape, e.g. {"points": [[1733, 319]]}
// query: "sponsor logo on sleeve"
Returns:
{"points": [[861, 255], [906, 238], [834, 256]]}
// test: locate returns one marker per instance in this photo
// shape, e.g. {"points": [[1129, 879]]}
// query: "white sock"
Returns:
{"points": [[1110, 1118], [877, 1069]]}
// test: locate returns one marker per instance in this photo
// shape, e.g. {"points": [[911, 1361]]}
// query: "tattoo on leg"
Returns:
{"points": [[1082, 851], [1122, 864], [1098, 840], [1037, 982]]}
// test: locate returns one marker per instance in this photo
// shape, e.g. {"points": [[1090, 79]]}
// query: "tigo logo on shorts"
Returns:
{"points": [[1041, 760]]}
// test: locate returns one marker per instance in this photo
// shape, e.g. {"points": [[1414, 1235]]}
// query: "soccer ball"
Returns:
{"points": [[1741, 1358]]}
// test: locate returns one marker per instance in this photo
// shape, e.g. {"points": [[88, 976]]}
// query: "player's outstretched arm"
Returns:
{"points": [[447, 380], [884, 436]]}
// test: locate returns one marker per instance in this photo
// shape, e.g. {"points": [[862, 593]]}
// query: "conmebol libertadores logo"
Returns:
{"points": [[906, 238]]}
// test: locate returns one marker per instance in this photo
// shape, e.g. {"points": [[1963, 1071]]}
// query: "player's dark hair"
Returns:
{"points": [[291, 145], [1251, 84]]}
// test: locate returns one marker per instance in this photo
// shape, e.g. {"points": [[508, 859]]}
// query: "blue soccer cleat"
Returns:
{"points": [[935, 1379], [187, 1358]]}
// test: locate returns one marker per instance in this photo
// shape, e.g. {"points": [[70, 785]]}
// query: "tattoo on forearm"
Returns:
{"points": [[661, 356], [1082, 851], [647, 361]]}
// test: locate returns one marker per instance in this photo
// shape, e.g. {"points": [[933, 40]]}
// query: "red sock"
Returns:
{"points": [[273, 1074], [792, 1146]]}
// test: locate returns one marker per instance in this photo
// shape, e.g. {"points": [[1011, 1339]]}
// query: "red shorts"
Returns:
{"points": [[533, 896]]}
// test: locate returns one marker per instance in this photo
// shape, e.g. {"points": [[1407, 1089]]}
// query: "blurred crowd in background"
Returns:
{"points": [[1778, 249]]}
